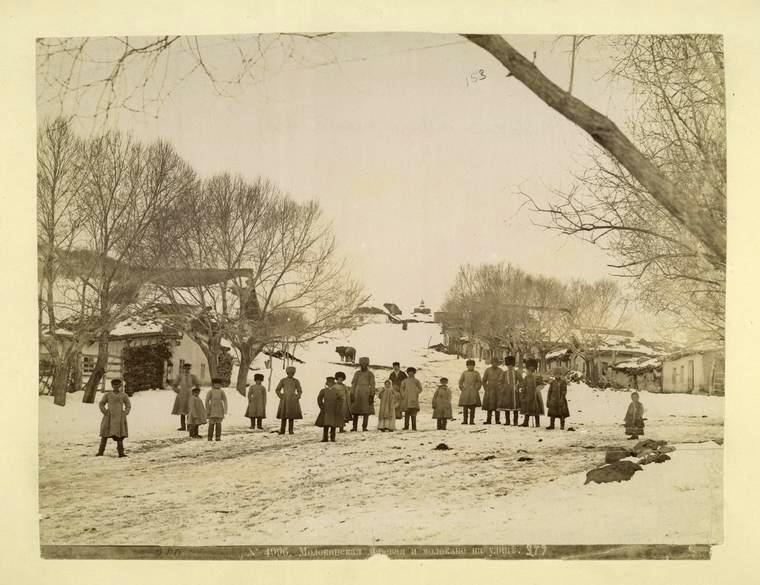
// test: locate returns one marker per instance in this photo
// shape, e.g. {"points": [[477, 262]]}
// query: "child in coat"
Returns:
{"points": [[216, 408], [257, 402], [442, 404], [289, 392], [410, 398], [634, 417], [469, 386], [386, 413], [115, 407], [197, 416], [340, 377], [330, 402]]}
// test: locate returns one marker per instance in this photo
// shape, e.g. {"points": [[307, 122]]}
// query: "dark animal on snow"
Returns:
{"points": [[346, 353]]}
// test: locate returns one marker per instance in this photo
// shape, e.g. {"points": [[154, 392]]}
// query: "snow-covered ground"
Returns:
{"points": [[256, 487]]}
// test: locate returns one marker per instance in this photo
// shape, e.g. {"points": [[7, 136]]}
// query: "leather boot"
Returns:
{"points": [[506, 418], [488, 418], [365, 422], [210, 431], [355, 421], [515, 418], [406, 421], [253, 423], [102, 448], [332, 434], [472, 415], [443, 424], [562, 423], [283, 422], [120, 447], [525, 421], [258, 424], [414, 422], [325, 432], [551, 424], [218, 431], [498, 417], [538, 421], [290, 426], [182, 426]]}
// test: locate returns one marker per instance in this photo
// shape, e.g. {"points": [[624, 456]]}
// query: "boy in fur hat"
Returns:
{"points": [[532, 403], [257, 402], [442, 404], [410, 398], [216, 408], [197, 416], [330, 402], [115, 406], [469, 386], [340, 377], [289, 392], [510, 395]]}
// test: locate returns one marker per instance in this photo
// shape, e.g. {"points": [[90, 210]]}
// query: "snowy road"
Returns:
{"points": [[380, 488]]}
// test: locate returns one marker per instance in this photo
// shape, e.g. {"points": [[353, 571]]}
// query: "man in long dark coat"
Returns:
{"points": [[362, 394], [493, 378], [183, 386], [510, 392], [330, 402], [556, 400], [531, 402], [397, 376]]}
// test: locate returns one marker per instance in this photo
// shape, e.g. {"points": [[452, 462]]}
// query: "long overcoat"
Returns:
{"points": [[289, 392], [183, 387], [396, 379], [411, 388], [470, 385], [216, 404], [330, 402], [389, 401], [257, 402], [510, 390], [442, 403], [634, 419], [532, 402], [493, 378], [346, 402], [197, 411], [556, 399], [363, 393], [115, 407]]}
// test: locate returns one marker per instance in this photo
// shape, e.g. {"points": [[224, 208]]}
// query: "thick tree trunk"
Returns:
{"points": [[612, 139], [246, 358], [61, 380], [91, 387]]}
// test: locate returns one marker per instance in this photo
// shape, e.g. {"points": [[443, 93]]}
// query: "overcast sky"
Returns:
{"points": [[417, 167]]}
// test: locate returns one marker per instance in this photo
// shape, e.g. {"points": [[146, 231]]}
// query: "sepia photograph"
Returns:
{"points": [[310, 295]]}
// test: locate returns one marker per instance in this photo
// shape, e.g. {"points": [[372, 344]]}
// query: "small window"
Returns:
{"points": [[181, 364], [675, 376], [203, 371], [88, 364]]}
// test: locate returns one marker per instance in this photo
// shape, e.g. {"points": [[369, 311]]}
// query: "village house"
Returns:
{"points": [[374, 314], [639, 374], [698, 370], [152, 334]]}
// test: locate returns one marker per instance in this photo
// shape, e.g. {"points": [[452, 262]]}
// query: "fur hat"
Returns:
{"points": [[470, 362], [290, 370], [116, 383], [340, 376], [219, 381], [509, 360], [330, 379], [531, 363], [364, 361]]}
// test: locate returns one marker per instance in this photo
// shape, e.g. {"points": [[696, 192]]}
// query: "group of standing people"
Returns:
{"points": [[513, 393]]}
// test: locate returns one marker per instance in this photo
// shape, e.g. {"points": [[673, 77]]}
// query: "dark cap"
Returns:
{"points": [[470, 362], [219, 381], [116, 382]]}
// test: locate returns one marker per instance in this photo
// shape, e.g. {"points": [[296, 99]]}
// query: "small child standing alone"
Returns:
{"points": [[216, 408], [634, 417], [442, 404], [197, 416]]}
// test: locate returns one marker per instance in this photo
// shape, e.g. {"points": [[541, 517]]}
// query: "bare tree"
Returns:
{"points": [[680, 125], [59, 179]]}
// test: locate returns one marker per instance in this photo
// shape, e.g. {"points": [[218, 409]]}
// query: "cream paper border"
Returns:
{"points": [[23, 20]]}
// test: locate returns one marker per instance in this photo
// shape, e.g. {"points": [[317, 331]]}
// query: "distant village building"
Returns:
{"points": [[695, 370], [640, 374], [374, 314], [421, 309]]}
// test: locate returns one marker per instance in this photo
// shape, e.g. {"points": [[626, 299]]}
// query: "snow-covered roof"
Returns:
{"points": [[557, 353], [639, 365]]}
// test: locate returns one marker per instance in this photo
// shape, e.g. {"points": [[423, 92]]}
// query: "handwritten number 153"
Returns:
{"points": [[475, 76]]}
